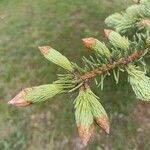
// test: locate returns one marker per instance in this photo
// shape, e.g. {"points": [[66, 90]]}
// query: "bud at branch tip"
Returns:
{"points": [[44, 49], [89, 42], [19, 100], [107, 32]]}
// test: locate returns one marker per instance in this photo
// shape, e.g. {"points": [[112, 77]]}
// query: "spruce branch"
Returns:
{"points": [[128, 44], [108, 67]]}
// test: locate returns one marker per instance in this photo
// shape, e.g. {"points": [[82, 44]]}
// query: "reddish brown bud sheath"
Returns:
{"points": [[89, 42], [85, 134], [136, 1], [19, 100], [107, 32], [44, 49], [144, 22], [103, 122]]}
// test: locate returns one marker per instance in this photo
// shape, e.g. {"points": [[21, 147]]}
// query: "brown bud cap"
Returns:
{"points": [[89, 42], [107, 32], [19, 100], [44, 49], [144, 22], [136, 1], [103, 122], [148, 44], [85, 133]]}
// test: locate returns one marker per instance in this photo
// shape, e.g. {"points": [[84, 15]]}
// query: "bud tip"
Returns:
{"points": [[107, 32], [44, 49], [89, 42], [107, 129], [85, 133], [144, 22], [10, 102], [136, 1], [103, 122], [19, 99]]}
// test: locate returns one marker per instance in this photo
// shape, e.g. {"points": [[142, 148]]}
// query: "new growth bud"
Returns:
{"points": [[113, 20], [83, 116], [88, 108], [140, 82], [133, 13], [99, 113], [97, 46], [116, 39], [57, 58], [36, 94]]}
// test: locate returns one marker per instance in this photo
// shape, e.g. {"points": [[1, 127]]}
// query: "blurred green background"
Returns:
{"points": [[27, 24]]}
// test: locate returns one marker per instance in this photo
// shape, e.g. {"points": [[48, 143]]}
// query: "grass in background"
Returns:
{"points": [[25, 25]]}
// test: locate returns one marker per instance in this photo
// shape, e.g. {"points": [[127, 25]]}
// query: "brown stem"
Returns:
{"points": [[108, 67]]}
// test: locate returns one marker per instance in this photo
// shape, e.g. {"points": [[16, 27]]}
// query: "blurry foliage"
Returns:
{"points": [[25, 25]]}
